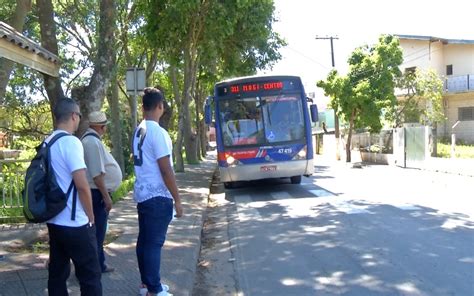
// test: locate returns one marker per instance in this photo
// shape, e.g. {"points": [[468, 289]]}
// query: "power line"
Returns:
{"points": [[307, 57]]}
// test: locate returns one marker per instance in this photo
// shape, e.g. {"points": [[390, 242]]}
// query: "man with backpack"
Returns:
{"points": [[71, 232], [104, 177]]}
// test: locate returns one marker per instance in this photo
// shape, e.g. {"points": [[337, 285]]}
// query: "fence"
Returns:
{"points": [[381, 142], [12, 173]]}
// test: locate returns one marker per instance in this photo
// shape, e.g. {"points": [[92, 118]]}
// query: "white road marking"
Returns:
{"points": [[280, 195], [320, 192], [340, 202]]}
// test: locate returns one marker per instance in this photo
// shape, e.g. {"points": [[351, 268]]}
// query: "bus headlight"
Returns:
{"points": [[301, 154], [230, 159]]}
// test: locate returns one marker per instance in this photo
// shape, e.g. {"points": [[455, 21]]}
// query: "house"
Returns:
{"points": [[453, 60]]}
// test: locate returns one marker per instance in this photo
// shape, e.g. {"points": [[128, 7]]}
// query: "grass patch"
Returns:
{"points": [[461, 151]]}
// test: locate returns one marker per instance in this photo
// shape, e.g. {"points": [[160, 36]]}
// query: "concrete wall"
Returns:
{"points": [[461, 56], [464, 130], [423, 55]]}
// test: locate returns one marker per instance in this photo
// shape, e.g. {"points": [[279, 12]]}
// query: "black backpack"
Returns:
{"points": [[42, 196]]}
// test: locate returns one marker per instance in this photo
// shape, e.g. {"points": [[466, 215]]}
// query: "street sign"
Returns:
{"points": [[135, 80]]}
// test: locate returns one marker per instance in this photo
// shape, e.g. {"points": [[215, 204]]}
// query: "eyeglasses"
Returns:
{"points": [[78, 114]]}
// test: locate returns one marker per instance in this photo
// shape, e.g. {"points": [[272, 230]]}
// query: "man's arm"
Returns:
{"points": [[84, 192], [99, 182], [170, 181]]}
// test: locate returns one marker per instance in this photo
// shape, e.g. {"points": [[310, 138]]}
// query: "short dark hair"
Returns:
{"points": [[63, 109], [151, 98]]}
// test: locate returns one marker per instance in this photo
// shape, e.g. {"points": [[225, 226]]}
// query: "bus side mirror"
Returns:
{"points": [[314, 112], [208, 111]]}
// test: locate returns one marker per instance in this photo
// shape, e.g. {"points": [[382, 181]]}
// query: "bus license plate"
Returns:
{"points": [[268, 168]]}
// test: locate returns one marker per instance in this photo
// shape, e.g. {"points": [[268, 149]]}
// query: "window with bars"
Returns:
{"points": [[449, 70], [466, 113]]}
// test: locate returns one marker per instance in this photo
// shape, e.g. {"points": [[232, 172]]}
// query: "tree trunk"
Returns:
{"points": [[49, 41], [115, 125], [177, 149], [200, 121], [434, 153], [349, 136], [94, 93], [17, 22], [190, 138]]}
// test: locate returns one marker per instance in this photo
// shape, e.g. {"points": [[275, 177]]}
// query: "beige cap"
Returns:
{"points": [[97, 118]]}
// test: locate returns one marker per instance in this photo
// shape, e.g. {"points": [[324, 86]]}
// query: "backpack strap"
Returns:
{"points": [[72, 186], [74, 199], [54, 139], [90, 134]]}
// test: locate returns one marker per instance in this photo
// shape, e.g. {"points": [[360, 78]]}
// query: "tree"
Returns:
{"points": [[361, 96], [17, 21], [49, 41], [422, 101], [209, 36]]}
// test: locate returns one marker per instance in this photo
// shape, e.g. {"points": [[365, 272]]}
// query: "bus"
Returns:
{"points": [[263, 128]]}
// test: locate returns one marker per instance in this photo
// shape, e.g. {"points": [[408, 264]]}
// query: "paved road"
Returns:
{"points": [[377, 230]]}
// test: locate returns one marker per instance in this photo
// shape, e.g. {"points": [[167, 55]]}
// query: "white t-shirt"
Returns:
{"points": [[156, 144], [67, 156]]}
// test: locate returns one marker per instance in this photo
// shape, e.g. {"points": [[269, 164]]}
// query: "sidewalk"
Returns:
{"points": [[24, 274]]}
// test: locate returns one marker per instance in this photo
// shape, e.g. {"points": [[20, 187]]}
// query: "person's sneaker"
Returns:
{"points": [[144, 290], [162, 293]]}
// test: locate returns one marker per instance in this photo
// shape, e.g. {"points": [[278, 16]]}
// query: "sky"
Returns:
{"points": [[357, 23]]}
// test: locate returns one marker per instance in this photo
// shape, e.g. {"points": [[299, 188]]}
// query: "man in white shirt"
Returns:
{"points": [[72, 231], [104, 177], [154, 191]]}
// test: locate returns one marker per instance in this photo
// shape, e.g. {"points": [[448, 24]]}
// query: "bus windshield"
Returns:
{"points": [[261, 120]]}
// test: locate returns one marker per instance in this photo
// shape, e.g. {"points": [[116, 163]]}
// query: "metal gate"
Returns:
{"points": [[399, 146], [411, 146]]}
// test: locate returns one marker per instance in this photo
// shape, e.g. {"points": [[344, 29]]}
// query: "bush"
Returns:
{"points": [[124, 189], [461, 151]]}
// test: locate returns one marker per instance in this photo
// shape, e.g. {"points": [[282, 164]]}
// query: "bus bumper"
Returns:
{"points": [[260, 171]]}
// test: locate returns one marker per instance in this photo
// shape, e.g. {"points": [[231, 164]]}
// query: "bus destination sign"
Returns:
{"points": [[250, 87]]}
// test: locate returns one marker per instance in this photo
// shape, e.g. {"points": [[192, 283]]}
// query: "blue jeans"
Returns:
{"points": [[154, 216], [101, 217]]}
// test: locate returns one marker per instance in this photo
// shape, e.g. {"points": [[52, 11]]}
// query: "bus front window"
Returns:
{"points": [[241, 122], [283, 117]]}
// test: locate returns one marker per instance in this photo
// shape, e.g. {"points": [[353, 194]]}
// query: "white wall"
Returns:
{"points": [[464, 130], [461, 56], [423, 55]]}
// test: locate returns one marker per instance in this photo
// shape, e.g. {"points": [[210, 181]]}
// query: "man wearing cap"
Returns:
{"points": [[104, 177]]}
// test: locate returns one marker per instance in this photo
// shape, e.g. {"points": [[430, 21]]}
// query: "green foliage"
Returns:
{"points": [[124, 189], [422, 101], [461, 151], [361, 96]]}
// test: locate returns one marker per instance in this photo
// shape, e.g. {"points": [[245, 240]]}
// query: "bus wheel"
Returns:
{"points": [[295, 180], [228, 185]]}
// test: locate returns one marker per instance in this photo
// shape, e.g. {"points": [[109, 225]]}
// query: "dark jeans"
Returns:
{"points": [[154, 216], [79, 245], [101, 217]]}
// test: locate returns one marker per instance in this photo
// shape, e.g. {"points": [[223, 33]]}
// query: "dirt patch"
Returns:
{"points": [[39, 244], [215, 270]]}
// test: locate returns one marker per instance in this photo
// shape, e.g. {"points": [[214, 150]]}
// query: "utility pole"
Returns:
{"points": [[336, 118]]}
